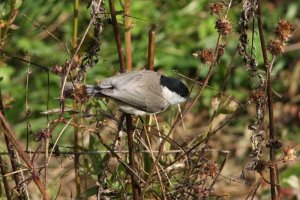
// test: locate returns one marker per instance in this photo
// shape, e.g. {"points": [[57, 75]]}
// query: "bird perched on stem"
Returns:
{"points": [[139, 92]]}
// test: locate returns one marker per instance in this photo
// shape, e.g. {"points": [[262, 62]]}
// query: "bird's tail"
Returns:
{"points": [[88, 90]]}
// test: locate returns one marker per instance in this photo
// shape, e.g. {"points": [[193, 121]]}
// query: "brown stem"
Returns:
{"points": [[76, 158], [135, 186], [136, 189], [273, 170], [151, 47], [117, 35], [128, 36], [75, 119]]}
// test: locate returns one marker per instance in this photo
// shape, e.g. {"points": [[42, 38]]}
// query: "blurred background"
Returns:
{"points": [[182, 28]]}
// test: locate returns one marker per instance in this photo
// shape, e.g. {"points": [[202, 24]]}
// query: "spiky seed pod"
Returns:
{"points": [[224, 26], [276, 47], [284, 30], [216, 8], [206, 56]]}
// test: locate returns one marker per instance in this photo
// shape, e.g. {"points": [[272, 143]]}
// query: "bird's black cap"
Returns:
{"points": [[174, 85]]}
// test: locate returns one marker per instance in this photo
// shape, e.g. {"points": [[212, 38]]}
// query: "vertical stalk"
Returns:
{"points": [[47, 138], [128, 49], [117, 35], [151, 47], [273, 169], [75, 24], [75, 119], [136, 189], [135, 186]]}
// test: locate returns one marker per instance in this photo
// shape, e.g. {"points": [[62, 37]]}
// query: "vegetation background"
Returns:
{"points": [[182, 28]]}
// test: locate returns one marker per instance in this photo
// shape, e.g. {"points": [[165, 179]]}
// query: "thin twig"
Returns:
{"points": [[52, 35]]}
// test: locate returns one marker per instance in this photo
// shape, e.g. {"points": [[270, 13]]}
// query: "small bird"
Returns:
{"points": [[139, 92]]}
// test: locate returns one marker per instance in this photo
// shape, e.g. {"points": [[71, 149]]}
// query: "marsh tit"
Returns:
{"points": [[139, 93]]}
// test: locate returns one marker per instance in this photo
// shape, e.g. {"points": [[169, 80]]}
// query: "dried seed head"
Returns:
{"points": [[79, 93], [213, 170], [289, 154], [216, 8], [224, 26], [284, 30], [42, 135], [206, 56], [276, 47], [61, 70]]}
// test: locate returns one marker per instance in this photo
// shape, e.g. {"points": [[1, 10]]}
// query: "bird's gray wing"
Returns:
{"points": [[120, 79], [140, 90]]}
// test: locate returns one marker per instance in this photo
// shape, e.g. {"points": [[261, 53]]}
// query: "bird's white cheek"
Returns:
{"points": [[172, 97]]}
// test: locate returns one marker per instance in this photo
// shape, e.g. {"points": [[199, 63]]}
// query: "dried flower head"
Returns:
{"points": [[206, 56], [276, 47], [216, 8], [289, 154], [224, 26], [284, 30], [79, 93], [212, 169]]}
